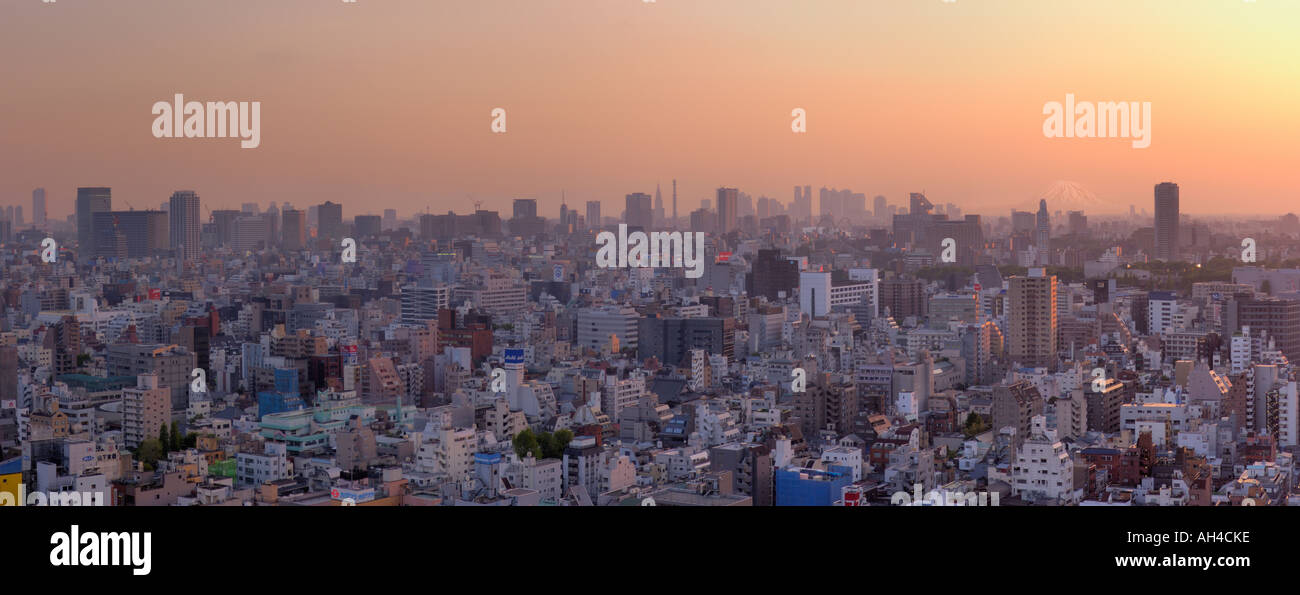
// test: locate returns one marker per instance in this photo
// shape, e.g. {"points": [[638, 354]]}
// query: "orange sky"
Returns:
{"points": [[386, 103]]}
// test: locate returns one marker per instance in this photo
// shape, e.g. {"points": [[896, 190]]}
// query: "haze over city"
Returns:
{"points": [[388, 103]]}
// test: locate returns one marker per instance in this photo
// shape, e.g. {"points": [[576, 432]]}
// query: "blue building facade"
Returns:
{"points": [[811, 487]]}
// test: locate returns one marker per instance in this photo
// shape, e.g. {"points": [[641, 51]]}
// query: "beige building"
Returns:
{"points": [[145, 409], [1031, 319]]}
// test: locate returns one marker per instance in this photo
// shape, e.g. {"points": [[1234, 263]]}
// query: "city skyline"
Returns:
{"points": [[600, 125]]}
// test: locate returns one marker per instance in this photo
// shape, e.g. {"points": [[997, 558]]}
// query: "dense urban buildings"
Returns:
{"points": [[829, 356]]}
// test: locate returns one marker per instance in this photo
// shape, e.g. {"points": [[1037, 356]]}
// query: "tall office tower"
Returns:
{"points": [[1043, 235], [250, 208], [593, 214], [801, 210], [38, 207], [968, 232], [224, 219], [145, 409], [8, 376], [1032, 322], [674, 202], [130, 234], [366, 226], [639, 212], [1023, 222], [63, 339], [390, 218], [330, 220], [525, 208], [89, 202], [272, 215], [250, 233], [294, 228], [659, 206], [18, 215], [1166, 221], [727, 205], [183, 209], [901, 298], [1078, 223], [878, 207], [525, 222]]}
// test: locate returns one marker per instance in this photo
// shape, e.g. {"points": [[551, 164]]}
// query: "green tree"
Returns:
{"points": [[148, 453], [176, 441], [526, 444], [164, 441], [546, 441], [562, 440]]}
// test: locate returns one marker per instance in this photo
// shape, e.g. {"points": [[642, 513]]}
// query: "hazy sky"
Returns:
{"points": [[386, 103]]}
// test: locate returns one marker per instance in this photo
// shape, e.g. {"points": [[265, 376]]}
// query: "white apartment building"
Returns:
{"points": [[846, 456], [1162, 308], [253, 469], [1043, 469], [596, 326]]}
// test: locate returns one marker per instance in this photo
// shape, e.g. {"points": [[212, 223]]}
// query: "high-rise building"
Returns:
{"points": [[89, 202], [294, 227], [902, 298], [659, 214], [145, 409], [525, 222], [525, 208], [772, 274], [1078, 223], [224, 220], [183, 209], [727, 206], [1276, 317], [130, 234], [1166, 221], [815, 293], [390, 218], [1043, 234], [8, 375], [639, 212], [1015, 405], [367, 226], [1032, 322], [593, 214], [38, 207], [674, 202], [330, 221]]}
